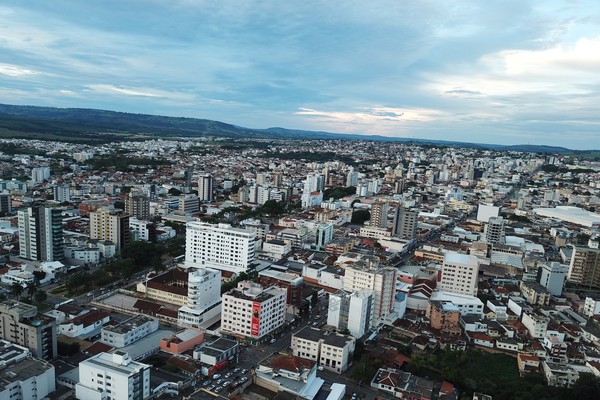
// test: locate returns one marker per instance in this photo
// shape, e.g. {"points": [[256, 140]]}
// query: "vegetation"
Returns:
{"points": [[67, 349], [125, 164], [310, 156], [360, 216], [338, 192]]}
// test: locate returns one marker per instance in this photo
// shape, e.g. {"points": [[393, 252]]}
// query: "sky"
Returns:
{"points": [[493, 71]]}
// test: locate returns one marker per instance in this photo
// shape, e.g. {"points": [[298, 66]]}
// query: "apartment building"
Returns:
{"points": [[113, 376], [108, 224], [253, 312], [330, 350], [21, 324], [405, 223], [352, 311], [366, 274], [137, 205], [219, 246], [129, 331], [460, 273], [41, 234], [205, 188], [585, 267], [203, 298], [23, 377]]}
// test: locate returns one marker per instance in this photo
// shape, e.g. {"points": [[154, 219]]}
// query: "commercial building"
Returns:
{"points": [[585, 267], [41, 234], [22, 377], [352, 311], [115, 376], [108, 224], [574, 215], [330, 350], [405, 223], [189, 204], [253, 312], [460, 273], [216, 355], [367, 274], [21, 324], [129, 331], [5, 203], [203, 298], [487, 211], [219, 246]]}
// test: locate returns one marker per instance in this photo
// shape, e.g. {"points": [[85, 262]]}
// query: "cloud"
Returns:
{"points": [[15, 70]]}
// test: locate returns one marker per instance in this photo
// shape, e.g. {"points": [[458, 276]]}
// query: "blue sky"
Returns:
{"points": [[507, 72]]}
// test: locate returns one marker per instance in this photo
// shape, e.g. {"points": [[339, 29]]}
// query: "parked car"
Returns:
{"points": [[244, 371], [211, 387], [218, 389], [236, 370], [273, 340], [216, 376], [228, 375]]}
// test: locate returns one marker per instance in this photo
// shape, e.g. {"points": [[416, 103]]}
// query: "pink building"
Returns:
{"points": [[182, 341]]}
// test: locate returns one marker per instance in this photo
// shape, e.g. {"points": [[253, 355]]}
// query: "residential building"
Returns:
{"points": [[128, 331], [39, 174], [536, 324], [553, 277], [41, 234], [219, 246], [330, 350], [352, 311], [289, 374], [535, 293], [62, 193], [203, 298], [444, 316], [205, 188], [22, 377], [559, 374], [368, 274], [253, 312], [137, 205], [585, 267], [142, 230], [113, 376], [379, 214], [21, 324], [494, 230], [216, 354], [591, 306], [108, 224], [405, 223], [5, 203], [460, 274]]}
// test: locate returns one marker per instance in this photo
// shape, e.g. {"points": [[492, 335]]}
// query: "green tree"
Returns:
{"points": [[31, 289], [16, 289], [360, 216], [40, 296]]}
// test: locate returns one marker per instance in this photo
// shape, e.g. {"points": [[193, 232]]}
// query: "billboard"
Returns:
{"points": [[255, 319]]}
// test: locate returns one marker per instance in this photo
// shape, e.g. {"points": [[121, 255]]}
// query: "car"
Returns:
{"points": [[226, 383], [236, 370], [243, 379], [320, 368], [90, 294], [205, 383], [318, 316], [314, 323], [216, 376], [228, 375], [244, 371], [218, 389], [353, 396], [273, 340], [220, 381], [211, 387]]}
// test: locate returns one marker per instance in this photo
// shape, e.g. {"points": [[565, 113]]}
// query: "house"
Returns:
{"points": [[85, 326], [528, 363]]}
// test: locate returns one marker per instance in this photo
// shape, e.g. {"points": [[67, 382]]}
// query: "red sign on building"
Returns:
{"points": [[255, 319]]}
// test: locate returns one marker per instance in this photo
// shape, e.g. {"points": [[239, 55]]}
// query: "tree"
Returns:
{"points": [[360, 216], [40, 296], [31, 289], [16, 289]]}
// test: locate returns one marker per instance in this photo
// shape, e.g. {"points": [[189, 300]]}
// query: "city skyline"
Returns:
{"points": [[505, 72]]}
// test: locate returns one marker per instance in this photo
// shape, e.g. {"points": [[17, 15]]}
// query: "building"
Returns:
{"points": [[292, 283], [5, 203], [189, 204], [219, 246], [494, 230], [351, 311], [379, 214], [39, 174], [591, 306], [61, 193], [487, 211], [405, 223], [129, 331], [22, 377], [113, 376], [216, 355], [108, 224], [553, 276], [41, 234], [253, 312], [294, 375], [585, 267], [21, 324], [444, 316], [574, 215], [142, 230], [205, 188], [367, 274], [536, 324], [535, 293], [460, 273], [559, 374], [137, 205], [203, 298], [182, 341], [330, 350]]}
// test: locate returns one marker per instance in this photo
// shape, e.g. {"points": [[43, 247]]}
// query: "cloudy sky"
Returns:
{"points": [[493, 71]]}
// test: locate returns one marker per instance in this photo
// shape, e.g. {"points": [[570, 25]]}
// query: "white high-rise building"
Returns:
{"points": [[314, 183], [494, 230], [219, 246], [553, 277], [205, 188], [61, 193], [113, 376], [352, 311], [38, 174], [252, 312], [372, 276], [41, 234], [460, 274], [204, 298]]}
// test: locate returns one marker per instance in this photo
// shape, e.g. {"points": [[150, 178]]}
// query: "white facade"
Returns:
{"points": [[85, 254], [204, 297], [129, 331], [382, 281], [460, 274], [330, 350], [591, 306], [23, 377], [113, 376], [205, 188], [467, 305], [487, 211], [535, 324], [252, 311], [142, 227], [352, 311], [219, 246], [553, 277]]}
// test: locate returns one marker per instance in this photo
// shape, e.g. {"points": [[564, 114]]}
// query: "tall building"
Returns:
{"points": [[314, 182], [205, 188], [21, 324], [39, 174], [379, 214], [203, 298], [460, 274], [137, 205], [552, 277], [585, 267], [41, 234], [405, 223], [106, 224], [113, 376], [219, 246], [61, 193], [5, 203], [494, 230], [372, 276], [352, 311], [252, 312]]}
